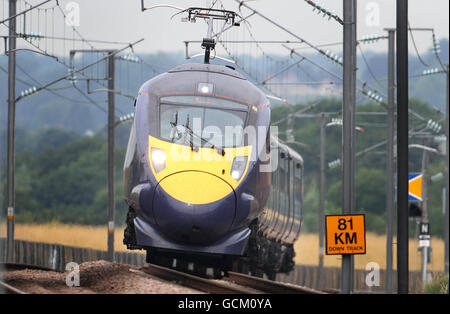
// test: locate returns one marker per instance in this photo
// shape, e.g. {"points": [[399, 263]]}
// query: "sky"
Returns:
{"points": [[122, 20]]}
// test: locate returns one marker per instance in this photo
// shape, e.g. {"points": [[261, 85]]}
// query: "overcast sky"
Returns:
{"points": [[122, 20]]}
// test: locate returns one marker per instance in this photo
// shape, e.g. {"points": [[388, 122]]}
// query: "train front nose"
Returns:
{"points": [[194, 207]]}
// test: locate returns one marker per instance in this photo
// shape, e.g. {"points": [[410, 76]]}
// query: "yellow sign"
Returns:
{"points": [[345, 234]]}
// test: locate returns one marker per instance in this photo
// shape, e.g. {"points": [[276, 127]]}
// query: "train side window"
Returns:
{"points": [[292, 184], [284, 185], [288, 183], [275, 189], [282, 174], [298, 190], [270, 200]]}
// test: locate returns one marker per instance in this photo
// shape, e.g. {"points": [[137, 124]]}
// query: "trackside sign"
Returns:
{"points": [[345, 234]]}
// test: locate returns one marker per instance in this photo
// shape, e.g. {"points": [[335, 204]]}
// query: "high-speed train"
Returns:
{"points": [[206, 183]]}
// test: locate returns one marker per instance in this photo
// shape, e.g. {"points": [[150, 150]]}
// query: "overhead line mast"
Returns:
{"points": [[402, 147], [11, 131], [348, 132]]}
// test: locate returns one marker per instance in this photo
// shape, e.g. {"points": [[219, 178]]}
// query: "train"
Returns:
{"points": [[209, 188]]}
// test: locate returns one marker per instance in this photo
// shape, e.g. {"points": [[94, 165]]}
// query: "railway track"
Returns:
{"points": [[192, 281], [14, 266], [10, 289], [234, 283], [268, 286]]}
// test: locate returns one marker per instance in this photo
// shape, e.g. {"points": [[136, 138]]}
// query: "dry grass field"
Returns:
{"points": [[94, 237], [306, 247], [307, 252]]}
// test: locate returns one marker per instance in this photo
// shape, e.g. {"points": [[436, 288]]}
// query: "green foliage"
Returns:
{"points": [[370, 177], [311, 203], [437, 286], [61, 176], [67, 182]]}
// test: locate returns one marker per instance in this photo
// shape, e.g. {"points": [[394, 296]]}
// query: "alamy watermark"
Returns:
{"points": [[73, 14], [373, 275], [372, 17], [73, 277], [214, 137]]}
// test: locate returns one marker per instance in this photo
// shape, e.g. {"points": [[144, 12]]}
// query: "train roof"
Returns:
{"points": [[185, 78], [286, 148], [201, 67]]}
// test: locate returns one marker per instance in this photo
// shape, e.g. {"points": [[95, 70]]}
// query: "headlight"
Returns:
{"points": [[238, 167], [205, 88], [158, 159]]}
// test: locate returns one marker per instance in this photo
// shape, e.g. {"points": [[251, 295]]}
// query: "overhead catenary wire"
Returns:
{"points": [[369, 69], [44, 49], [99, 41], [25, 11], [50, 90], [68, 76], [321, 9], [415, 47], [436, 51], [61, 96], [265, 55], [241, 64], [361, 90], [310, 45]]}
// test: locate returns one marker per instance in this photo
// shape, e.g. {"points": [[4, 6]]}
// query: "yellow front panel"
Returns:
{"points": [[195, 187], [197, 177]]}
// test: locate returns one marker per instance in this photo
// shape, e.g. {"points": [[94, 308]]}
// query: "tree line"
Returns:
{"points": [[61, 176]]}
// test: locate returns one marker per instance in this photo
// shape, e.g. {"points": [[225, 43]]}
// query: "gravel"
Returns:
{"points": [[99, 277]]}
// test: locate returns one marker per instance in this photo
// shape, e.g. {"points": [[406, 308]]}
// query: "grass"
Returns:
{"points": [[94, 237], [438, 286], [306, 247]]}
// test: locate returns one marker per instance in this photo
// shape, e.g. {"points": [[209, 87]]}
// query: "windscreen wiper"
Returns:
{"points": [[175, 124], [191, 137], [219, 150]]}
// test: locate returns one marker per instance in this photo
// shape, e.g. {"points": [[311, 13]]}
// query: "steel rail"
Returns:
{"points": [[17, 266], [268, 286], [192, 281], [10, 289]]}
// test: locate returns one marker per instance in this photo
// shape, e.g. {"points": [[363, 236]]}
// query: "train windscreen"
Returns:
{"points": [[206, 126]]}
